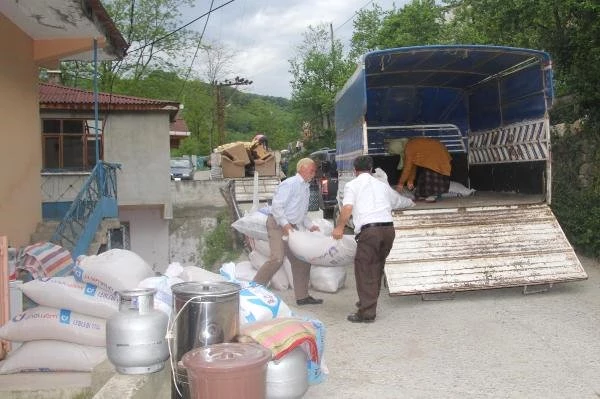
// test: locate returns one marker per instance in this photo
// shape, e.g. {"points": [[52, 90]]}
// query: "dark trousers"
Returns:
{"points": [[373, 246]]}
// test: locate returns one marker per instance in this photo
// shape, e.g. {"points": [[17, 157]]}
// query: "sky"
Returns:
{"points": [[263, 35]]}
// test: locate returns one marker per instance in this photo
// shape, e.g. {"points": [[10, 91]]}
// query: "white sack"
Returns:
{"points": [[325, 226], [257, 303], [318, 249], [262, 247], [287, 268], [195, 273], [327, 279], [113, 270], [399, 201], [42, 322], [279, 281], [163, 298], [458, 190], [253, 225], [68, 293], [244, 271], [50, 355]]}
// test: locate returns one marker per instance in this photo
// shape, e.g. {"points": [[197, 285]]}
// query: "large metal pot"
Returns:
{"points": [[204, 313], [135, 336]]}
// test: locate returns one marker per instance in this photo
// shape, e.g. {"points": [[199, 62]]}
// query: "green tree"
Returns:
{"points": [[319, 71], [366, 26], [151, 29], [419, 22], [568, 29]]}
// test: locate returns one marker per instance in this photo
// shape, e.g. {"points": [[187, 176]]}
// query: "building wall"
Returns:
{"points": [[20, 144], [140, 143], [149, 235]]}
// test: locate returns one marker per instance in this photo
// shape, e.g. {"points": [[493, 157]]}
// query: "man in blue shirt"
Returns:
{"points": [[289, 210]]}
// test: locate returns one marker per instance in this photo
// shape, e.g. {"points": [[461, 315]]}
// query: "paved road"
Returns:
{"points": [[482, 344]]}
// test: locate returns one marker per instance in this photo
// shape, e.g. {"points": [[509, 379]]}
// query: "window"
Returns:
{"points": [[70, 143]]}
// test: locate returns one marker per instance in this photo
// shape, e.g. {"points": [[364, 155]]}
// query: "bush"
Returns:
{"points": [[577, 207], [219, 245]]}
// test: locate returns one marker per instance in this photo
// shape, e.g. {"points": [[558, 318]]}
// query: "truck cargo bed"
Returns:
{"points": [[489, 240]]}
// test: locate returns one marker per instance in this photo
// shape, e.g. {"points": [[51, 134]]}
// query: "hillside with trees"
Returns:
{"points": [[569, 30]]}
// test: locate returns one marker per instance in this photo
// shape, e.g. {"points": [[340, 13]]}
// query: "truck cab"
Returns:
{"points": [[489, 106]]}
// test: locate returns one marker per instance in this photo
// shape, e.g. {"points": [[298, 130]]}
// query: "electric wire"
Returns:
{"points": [[353, 15], [185, 79], [181, 27]]}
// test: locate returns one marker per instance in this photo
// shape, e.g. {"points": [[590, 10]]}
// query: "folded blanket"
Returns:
{"points": [[283, 334]]}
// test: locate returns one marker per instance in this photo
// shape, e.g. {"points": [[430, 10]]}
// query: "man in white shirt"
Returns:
{"points": [[369, 201], [289, 210]]}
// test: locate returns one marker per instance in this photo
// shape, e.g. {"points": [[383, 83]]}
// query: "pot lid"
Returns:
{"points": [[226, 357], [209, 288]]}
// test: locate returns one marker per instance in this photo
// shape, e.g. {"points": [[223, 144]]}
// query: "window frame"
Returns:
{"points": [[61, 137]]}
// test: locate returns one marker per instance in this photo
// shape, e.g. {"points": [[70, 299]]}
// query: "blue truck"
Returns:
{"points": [[489, 106]]}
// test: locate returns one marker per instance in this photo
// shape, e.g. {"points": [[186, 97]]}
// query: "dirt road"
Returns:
{"points": [[482, 344]]}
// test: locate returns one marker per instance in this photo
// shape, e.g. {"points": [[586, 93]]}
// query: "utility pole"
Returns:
{"points": [[220, 102]]}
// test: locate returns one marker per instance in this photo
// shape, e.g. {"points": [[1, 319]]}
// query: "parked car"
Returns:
{"points": [[326, 178], [182, 169]]}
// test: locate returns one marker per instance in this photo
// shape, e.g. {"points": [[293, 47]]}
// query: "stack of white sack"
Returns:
{"points": [[254, 227], [163, 298], [67, 330], [257, 303]]}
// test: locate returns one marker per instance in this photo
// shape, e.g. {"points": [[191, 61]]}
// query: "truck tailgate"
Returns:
{"points": [[245, 188], [471, 248]]}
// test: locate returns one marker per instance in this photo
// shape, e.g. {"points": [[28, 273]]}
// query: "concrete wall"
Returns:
{"points": [[20, 143], [149, 234], [140, 143], [196, 205]]}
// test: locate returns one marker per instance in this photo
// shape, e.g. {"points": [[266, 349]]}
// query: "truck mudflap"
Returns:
{"points": [[472, 248]]}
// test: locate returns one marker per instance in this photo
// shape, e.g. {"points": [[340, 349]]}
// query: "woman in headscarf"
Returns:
{"points": [[425, 167]]}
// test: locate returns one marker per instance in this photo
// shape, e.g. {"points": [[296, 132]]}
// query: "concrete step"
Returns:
{"points": [[44, 231], [56, 385]]}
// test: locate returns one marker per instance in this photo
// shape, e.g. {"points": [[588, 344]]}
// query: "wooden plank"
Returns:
{"points": [[479, 248]]}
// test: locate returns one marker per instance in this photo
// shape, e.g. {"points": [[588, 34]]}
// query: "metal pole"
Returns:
{"points": [[101, 177], [96, 99]]}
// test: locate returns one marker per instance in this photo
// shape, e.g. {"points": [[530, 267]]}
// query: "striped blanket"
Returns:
{"points": [[283, 334], [45, 259]]}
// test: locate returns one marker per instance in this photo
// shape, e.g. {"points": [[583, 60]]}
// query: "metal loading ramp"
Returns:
{"points": [[472, 248]]}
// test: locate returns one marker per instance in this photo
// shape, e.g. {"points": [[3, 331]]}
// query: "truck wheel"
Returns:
{"points": [[328, 213]]}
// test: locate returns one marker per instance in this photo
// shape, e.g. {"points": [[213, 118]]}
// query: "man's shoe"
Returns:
{"points": [[431, 198], [309, 300], [356, 318]]}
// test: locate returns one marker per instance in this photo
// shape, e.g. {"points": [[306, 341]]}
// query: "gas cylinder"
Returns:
{"points": [[135, 336]]}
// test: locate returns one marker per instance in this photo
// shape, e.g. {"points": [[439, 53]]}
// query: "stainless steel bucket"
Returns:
{"points": [[204, 313]]}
